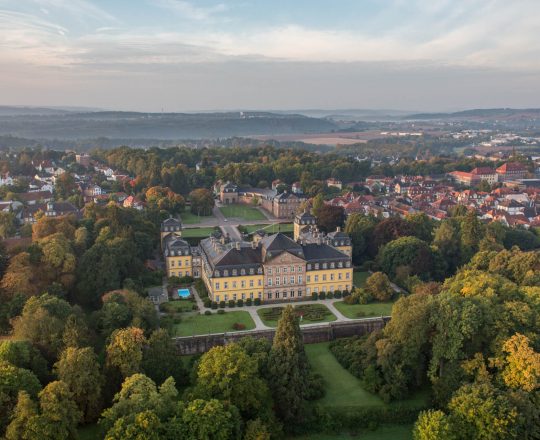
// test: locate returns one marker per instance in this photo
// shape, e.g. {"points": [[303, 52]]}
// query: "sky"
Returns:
{"points": [[192, 55]]}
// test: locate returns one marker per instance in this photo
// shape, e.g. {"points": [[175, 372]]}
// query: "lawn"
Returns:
{"points": [[270, 229], [197, 232], [242, 211], [384, 432], [188, 218], [312, 314], [178, 306], [214, 323], [342, 388], [364, 310], [359, 278]]}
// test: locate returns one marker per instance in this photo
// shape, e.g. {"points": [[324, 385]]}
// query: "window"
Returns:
{"points": [[324, 266], [260, 295], [315, 290], [309, 267], [292, 293], [216, 273], [316, 278], [284, 270], [308, 290], [251, 295], [250, 283], [299, 279], [243, 272], [269, 281], [269, 295], [324, 277], [259, 271], [234, 272], [234, 296], [225, 273], [332, 265], [299, 294], [284, 294], [316, 266], [299, 268], [340, 276], [243, 283], [340, 264], [331, 277], [251, 271], [172, 263], [348, 275], [225, 285], [292, 268], [292, 279], [269, 271], [278, 279], [226, 298], [277, 295], [277, 269], [260, 282], [234, 284]]}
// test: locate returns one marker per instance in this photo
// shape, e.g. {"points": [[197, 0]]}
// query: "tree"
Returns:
{"points": [[521, 365], [360, 228], [58, 260], [65, 186], [125, 351], [422, 225], [433, 425], [288, 369], [80, 370], [163, 198], [447, 240], [378, 285], [209, 419], [228, 373], [138, 394], [330, 217], [25, 410], [160, 359], [317, 204], [76, 332], [471, 234], [146, 426], [8, 224], [202, 201], [256, 430], [391, 229], [13, 380], [407, 251], [59, 413], [42, 323], [22, 354], [20, 277], [480, 411]]}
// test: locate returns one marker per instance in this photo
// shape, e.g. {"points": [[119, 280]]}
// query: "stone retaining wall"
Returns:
{"points": [[312, 334]]}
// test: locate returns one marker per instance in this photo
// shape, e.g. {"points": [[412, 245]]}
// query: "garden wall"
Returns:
{"points": [[312, 334]]}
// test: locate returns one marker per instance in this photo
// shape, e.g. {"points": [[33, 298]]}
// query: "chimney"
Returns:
{"points": [[237, 245], [338, 229], [319, 241]]}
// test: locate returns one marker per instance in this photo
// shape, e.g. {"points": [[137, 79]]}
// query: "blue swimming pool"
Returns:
{"points": [[183, 293]]}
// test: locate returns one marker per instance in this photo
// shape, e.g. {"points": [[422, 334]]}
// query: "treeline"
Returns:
{"points": [[473, 340]]}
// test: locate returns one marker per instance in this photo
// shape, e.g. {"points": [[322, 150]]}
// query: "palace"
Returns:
{"points": [[271, 268]]}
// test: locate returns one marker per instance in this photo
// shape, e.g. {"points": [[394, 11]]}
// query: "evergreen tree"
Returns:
{"points": [[288, 368]]}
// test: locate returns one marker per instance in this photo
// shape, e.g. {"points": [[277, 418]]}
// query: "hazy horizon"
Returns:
{"points": [[228, 55]]}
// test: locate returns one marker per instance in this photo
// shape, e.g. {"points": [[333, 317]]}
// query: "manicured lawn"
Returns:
{"points": [[188, 218], [182, 305], [242, 211], [312, 314], [354, 311], [384, 432], [214, 323], [197, 232], [253, 228], [270, 229], [359, 278], [342, 388]]}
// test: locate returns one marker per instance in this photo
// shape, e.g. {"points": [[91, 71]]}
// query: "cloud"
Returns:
{"points": [[189, 11]]}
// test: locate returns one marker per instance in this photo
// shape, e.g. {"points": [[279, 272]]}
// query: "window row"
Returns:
{"points": [[237, 296], [235, 284], [332, 265], [277, 280], [328, 277], [179, 263], [283, 269], [236, 272], [284, 294]]}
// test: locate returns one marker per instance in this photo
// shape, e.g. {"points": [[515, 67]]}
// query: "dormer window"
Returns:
{"points": [[234, 273], [225, 273], [216, 273]]}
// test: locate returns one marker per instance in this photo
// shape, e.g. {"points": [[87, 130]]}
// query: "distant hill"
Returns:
{"points": [[61, 124], [484, 114]]}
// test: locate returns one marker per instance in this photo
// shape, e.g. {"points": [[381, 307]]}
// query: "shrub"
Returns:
{"points": [[329, 295], [201, 288], [240, 303], [337, 294], [231, 303], [378, 286], [315, 387], [239, 326], [249, 302], [214, 305], [207, 303], [221, 312], [186, 280], [173, 281], [346, 293], [222, 304], [314, 296], [257, 301], [207, 312], [194, 307], [322, 295]]}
